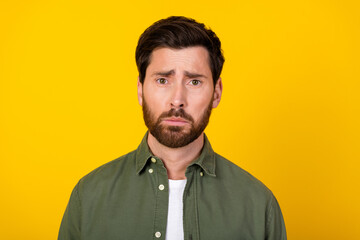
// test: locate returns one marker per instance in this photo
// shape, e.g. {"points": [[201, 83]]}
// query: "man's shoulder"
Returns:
{"points": [[110, 171], [239, 178]]}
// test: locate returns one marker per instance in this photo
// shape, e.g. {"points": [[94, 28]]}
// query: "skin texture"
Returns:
{"points": [[178, 95]]}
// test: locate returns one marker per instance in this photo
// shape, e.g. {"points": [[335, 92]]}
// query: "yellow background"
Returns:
{"points": [[289, 113]]}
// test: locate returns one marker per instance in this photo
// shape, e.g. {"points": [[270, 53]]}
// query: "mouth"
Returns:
{"points": [[175, 121]]}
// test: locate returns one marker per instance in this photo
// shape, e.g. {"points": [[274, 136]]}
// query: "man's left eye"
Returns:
{"points": [[195, 82]]}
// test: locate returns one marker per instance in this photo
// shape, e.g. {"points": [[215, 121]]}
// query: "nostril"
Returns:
{"points": [[177, 105]]}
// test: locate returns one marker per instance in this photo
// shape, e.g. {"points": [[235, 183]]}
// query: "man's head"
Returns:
{"points": [[178, 33], [179, 63]]}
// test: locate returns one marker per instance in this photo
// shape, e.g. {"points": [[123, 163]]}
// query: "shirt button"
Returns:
{"points": [[153, 160], [161, 187], [158, 234], [201, 174], [151, 170]]}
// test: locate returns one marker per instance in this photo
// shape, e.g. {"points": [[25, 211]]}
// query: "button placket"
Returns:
{"points": [[190, 220], [159, 173]]}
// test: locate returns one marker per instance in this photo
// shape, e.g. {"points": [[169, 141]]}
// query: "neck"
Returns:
{"points": [[176, 160]]}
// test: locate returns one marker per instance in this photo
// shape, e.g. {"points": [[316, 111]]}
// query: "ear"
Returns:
{"points": [[217, 93], [140, 92]]}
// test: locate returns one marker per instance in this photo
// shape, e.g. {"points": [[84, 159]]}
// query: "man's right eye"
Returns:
{"points": [[162, 80]]}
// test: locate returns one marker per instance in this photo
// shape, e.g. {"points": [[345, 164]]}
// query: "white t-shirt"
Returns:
{"points": [[175, 227]]}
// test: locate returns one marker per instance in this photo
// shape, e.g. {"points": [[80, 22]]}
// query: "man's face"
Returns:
{"points": [[178, 95]]}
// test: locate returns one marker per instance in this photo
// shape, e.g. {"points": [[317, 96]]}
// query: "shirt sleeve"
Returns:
{"points": [[275, 226], [70, 224]]}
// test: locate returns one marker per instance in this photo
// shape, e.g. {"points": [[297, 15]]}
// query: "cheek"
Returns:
{"points": [[153, 95], [200, 106], [154, 104]]}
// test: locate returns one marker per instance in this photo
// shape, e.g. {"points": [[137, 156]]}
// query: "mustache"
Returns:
{"points": [[177, 113]]}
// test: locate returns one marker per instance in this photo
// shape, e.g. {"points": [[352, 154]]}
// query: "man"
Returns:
{"points": [[174, 186]]}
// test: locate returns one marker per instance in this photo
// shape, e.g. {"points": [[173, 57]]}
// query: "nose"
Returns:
{"points": [[178, 97]]}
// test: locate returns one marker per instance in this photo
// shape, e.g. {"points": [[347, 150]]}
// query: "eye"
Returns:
{"points": [[195, 82], [161, 80]]}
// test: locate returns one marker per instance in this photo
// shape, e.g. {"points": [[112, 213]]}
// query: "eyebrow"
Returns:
{"points": [[172, 72], [164, 74], [194, 75]]}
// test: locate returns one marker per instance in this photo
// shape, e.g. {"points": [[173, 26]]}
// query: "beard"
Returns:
{"points": [[175, 136]]}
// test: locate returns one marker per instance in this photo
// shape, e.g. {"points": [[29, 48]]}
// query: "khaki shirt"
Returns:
{"points": [[127, 198]]}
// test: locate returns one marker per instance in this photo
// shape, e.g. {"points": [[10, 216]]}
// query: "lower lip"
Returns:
{"points": [[175, 123]]}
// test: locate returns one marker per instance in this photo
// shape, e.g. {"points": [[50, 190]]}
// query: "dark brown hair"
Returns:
{"points": [[178, 32]]}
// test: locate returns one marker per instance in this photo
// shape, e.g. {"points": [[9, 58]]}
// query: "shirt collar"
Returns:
{"points": [[206, 160]]}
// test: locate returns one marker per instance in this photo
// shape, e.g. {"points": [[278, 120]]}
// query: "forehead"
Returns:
{"points": [[193, 59]]}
